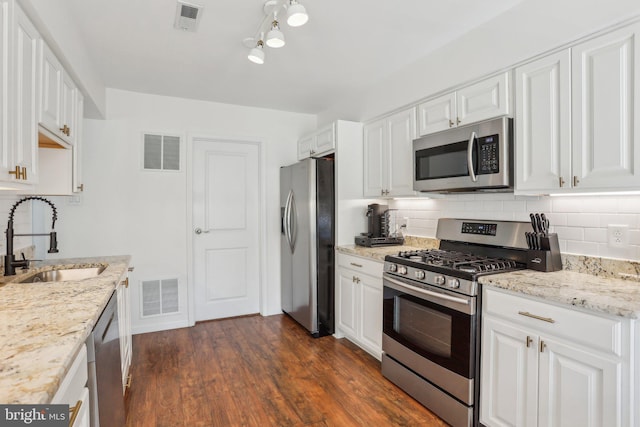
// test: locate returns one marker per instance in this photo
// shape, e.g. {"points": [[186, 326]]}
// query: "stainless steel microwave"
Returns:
{"points": [[468, 158]]}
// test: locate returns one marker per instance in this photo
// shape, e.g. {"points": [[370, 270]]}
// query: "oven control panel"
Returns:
{"points": [[482, 228], [425, 278]]}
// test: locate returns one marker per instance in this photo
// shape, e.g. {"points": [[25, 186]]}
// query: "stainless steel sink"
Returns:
{"points": [[64, 274]]}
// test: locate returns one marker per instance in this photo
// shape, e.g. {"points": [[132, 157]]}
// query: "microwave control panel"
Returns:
{"points": [[488, 153]]}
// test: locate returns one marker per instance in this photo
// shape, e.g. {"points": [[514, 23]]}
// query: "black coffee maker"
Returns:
{"points": [[378, 224]]}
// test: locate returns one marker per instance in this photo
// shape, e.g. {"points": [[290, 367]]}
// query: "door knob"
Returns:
{"points": [[200, 230]]}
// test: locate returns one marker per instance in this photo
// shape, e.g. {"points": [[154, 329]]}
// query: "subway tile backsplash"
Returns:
{"points": [[581, 222]]}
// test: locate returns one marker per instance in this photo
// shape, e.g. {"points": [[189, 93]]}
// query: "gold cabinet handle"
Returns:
{"points": [[128, 384], [576, 181], [451, 123], [353, 279], [458, 120], [131, 268], [17, 172], [356, 265], [543, 345], [529, 341], [81, 187], [126, 282], [533, 316], [561, 181], [24, 173], [74, 413]]}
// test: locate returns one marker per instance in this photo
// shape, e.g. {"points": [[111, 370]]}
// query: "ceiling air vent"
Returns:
{"points": [[187, 16]]}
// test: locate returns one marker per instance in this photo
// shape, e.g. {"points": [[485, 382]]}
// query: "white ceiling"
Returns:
{"points": [[345, 47]]}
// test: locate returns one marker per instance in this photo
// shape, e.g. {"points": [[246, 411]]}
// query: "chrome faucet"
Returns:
{"points": [[10, 262]]}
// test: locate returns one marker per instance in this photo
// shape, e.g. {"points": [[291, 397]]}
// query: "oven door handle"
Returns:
{"points": [[425, 291], [472, 172]]}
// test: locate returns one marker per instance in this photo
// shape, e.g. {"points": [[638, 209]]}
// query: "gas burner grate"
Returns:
{"points": [[458, 260]]}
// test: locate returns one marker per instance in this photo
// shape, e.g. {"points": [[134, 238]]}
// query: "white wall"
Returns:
{"points": [[581, 222], [530, 28], [125, 210]]}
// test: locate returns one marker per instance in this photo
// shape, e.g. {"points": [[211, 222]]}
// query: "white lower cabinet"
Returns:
{"points": [[73, 391], [359, 302], [124, 324], [546, 365]]}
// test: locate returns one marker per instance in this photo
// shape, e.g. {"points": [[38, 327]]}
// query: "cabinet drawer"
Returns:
{"points": [[364, 265], [592, 330], [72, 385]]}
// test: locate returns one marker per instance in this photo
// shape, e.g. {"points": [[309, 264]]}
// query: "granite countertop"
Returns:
{"points": [[44, 325], [617, 297], [411, 243]]}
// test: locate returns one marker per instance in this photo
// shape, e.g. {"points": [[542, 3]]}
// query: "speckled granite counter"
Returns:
{"points": [[378, 253], [43, 326], [602, 294]]}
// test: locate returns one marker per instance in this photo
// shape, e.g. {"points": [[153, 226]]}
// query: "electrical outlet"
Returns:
{"points": [[618, 235]]}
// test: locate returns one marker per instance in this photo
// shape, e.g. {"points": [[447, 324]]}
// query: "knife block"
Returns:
{"points": [[548, 259]]}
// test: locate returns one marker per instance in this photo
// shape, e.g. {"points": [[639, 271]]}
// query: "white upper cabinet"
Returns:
{"points": [[319, 144], [481, 101], [388, 155], [576, 117], [20, 89], [606, 118], [26, 84], [543, 122], [57, 99]]}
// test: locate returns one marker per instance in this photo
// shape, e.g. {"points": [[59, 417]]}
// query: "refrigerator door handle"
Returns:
{"points": [[293, 223], [287, 218]]}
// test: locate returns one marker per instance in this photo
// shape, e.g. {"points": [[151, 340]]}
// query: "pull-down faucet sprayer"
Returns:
{"points": [[10, 262]]}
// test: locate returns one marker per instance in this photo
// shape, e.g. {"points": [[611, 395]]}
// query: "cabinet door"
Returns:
{"points": [[578, 388], [375, 159], [401, 131], [347, 304], [437, 114], [606, 117], [305, 146], [6, 163], [325, 141], [484, 100], [509, 375], [25, 41], [371, 314], [124, 328], [51, 90], [543, 117], [68, 108]]}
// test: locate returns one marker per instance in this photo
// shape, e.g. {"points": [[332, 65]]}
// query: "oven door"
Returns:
{"points": [[434, 324]]}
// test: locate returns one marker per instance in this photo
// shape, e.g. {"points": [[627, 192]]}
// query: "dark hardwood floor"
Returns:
{"points": [[261, 371]]}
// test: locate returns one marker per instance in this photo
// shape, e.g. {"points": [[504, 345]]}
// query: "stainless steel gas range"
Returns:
{"points": [[431, 312]]}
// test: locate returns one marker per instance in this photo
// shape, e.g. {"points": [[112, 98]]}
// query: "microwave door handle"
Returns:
{"points": [[472, 173]]}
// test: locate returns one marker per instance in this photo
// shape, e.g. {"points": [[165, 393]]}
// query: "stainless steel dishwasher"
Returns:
{"points": [[105, 375]]}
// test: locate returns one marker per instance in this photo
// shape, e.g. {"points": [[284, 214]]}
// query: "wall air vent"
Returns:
{"points": [[161, 152], [160, 297], [187, 16]]}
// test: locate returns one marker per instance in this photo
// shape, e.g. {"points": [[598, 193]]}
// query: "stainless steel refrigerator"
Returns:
{"points": [[307, 244]]}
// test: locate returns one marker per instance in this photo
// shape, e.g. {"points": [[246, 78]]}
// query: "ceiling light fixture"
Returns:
{"points": [[296, 16], [275, 38], [256, 55]]}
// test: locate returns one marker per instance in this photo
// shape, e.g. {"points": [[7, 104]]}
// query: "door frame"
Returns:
{"points": [[262, 224]]}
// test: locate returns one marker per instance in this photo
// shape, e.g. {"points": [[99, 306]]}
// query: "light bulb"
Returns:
{"points": [[296, 14], [275, 38], [256, 55]]}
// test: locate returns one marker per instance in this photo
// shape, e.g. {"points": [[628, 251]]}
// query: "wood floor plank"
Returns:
{"points": [[262, 371]]}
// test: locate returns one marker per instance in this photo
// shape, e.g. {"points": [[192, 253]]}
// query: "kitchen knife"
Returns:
{"points": [[533, 222], [545, 224], [538, 223]]}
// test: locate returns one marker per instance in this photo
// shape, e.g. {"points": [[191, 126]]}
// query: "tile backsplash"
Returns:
{"points": [[581, 221]]}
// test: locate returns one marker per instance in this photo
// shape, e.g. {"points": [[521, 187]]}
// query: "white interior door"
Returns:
{"points": [[226, 229]]}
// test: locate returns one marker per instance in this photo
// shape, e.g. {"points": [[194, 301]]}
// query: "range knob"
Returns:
{"points": [[402, 269], [439, 280], [393, 267], [454, 283], [420, 274]]}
